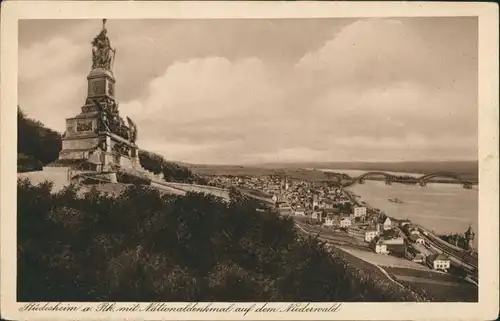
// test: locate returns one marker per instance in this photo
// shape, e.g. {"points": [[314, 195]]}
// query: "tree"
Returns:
{"points": [[171, 171], [37, 145]]}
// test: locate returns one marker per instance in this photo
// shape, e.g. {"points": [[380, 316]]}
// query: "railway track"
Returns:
{"points": [[342, 240], [461, 256]]}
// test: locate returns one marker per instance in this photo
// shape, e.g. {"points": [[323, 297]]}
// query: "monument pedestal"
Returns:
{"points": [[98, 136], [102, 151], [97, 141]]}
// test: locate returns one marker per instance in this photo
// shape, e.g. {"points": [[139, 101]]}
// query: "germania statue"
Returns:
{"points": [[102, 52]]}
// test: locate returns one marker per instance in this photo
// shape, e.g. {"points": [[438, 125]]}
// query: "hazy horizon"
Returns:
{"points": [[338, 162], [260, 91]]}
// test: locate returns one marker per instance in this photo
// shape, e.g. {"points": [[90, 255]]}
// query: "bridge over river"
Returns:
{"points": [[389, 178]]}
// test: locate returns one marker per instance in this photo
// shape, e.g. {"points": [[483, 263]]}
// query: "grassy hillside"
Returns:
{"points": [[38, 146], [143, 246]]}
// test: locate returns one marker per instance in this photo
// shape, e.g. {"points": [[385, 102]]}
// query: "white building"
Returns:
{"points": [[359, 211], [329, 220], [439, 262], [300, 211], [380, 247], [345, 222], [370, 235], [387, 223]]}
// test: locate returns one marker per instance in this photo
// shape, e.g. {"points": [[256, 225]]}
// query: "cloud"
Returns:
{"points": [[48, 58], [202, 91], [373, 51], [48, 83], [373, 89], [370, 89]]}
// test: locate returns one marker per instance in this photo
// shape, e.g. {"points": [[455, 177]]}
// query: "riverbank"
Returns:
{"points": [[414, 181], [399, 274], [458, 257], [441, 208]]}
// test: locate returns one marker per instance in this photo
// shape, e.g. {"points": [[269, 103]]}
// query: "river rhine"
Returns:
{"points": [[443, 208]]}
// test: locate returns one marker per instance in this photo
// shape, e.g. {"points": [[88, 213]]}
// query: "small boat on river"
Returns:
{"points": [[395, 200]]}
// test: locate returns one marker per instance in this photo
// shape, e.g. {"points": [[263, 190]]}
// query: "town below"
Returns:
{"points": [[408, 253]]}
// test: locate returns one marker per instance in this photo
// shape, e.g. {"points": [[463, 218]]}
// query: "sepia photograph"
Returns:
{"points": [[257, 159]]}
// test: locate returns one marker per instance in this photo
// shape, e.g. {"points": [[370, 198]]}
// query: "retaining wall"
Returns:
{"points": [[169, 189], [212, 190]]}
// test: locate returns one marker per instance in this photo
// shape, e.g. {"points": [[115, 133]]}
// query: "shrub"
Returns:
{"points": [[171, 171]]}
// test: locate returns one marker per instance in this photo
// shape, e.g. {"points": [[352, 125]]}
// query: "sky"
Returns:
{"points": [[253, 91]]}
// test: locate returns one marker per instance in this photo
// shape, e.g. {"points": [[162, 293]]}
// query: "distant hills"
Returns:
{"points": [[467, 169], [459, 167]]}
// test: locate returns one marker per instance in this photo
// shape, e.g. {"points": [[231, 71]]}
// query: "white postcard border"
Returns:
{"points": [[486, 308]]}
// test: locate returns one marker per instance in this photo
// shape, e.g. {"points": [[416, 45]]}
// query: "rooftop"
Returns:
{"points": [[397, 248], [414, 237], [440, 257]]}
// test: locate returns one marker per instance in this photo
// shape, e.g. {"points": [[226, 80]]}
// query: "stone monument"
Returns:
{"points": [[98, 138]]}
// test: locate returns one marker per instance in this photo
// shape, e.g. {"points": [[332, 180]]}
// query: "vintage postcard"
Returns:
{"points": [[249, 160]]}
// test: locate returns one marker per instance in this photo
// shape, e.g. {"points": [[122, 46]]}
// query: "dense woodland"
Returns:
{"points": [[144, 246], [39, 146], [174, 172]]}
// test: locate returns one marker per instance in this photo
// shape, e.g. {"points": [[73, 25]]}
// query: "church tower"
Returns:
{"points": [[469, 237], [98, 138]]}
